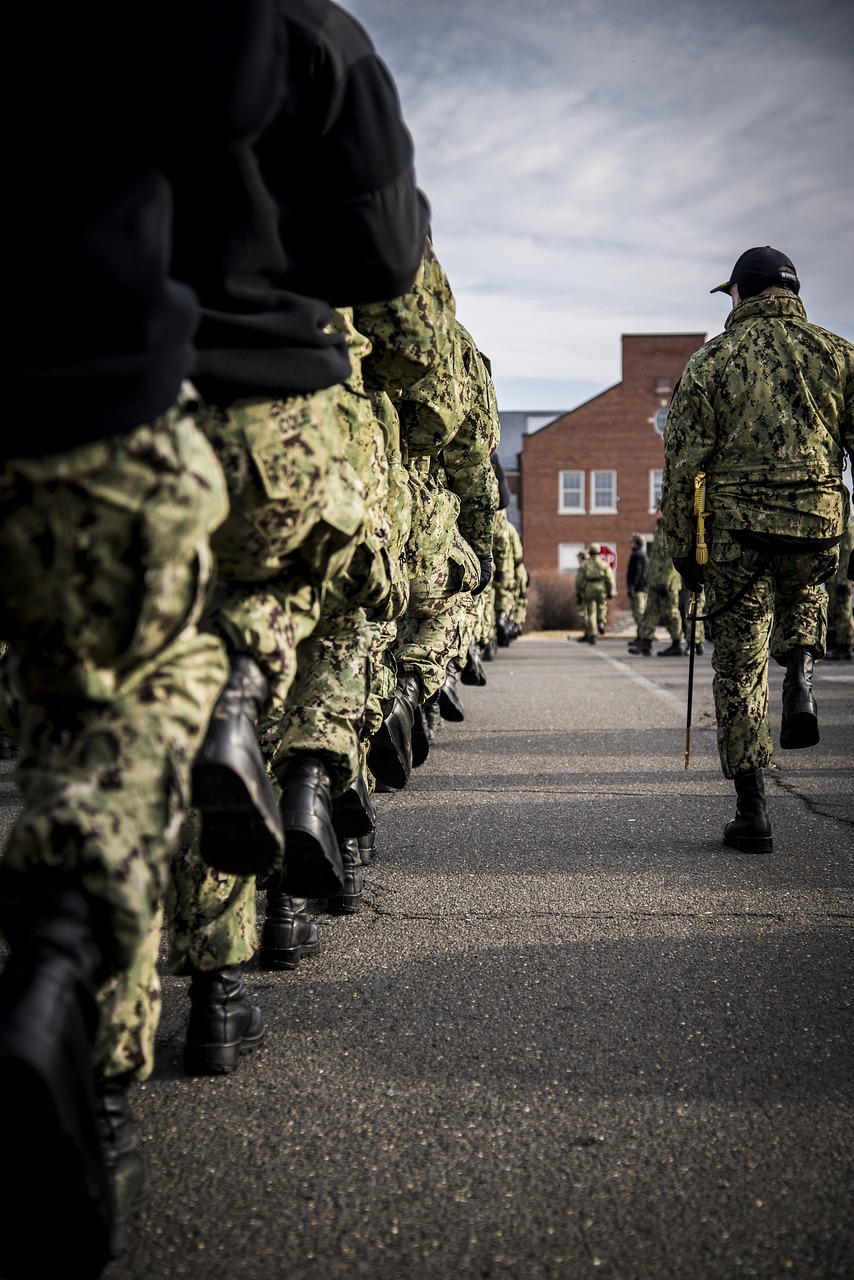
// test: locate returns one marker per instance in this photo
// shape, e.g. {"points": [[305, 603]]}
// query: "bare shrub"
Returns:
{"points": [[551, 603]]}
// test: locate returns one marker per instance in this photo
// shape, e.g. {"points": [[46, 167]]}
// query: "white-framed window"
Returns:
{"points": [[660, 419], [603, 491], [567, 556], [655, 478], [570, 497]]}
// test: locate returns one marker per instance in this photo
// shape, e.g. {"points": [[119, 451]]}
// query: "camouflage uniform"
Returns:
{"points": [[594, 584], [662, 601], [765, 409], [115, 680], [449, 426]]}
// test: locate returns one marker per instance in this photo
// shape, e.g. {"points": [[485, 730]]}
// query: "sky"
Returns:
{"points": [[595, 167]]}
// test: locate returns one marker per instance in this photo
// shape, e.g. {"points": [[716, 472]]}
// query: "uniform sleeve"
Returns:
{"points": [[410, 335], [689, 442]]}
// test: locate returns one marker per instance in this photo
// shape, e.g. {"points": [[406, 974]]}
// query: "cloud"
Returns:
{"points": [[594, 166]]}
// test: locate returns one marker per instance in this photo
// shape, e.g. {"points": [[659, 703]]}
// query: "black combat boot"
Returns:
{"points": [[473, 672], [643, 647], [130, 1181], [432, 716], [450, 703], [353, 812], [675, 649], [390, 752], [800, 714], [223, 1024], [750, 829], [53, 1173], [489, 650], [9, 749], [241, 825], [348, 902], [288, 934], [841, 653], [367, 848], [420, 741], [313, 866], [502, 631]]}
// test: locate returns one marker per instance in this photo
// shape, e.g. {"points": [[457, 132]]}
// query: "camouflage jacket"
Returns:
{"points": [[766, 410], [594, 572], [661, 575]]}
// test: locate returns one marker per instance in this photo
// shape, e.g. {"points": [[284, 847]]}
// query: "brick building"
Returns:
{"points": [[594, 474]]}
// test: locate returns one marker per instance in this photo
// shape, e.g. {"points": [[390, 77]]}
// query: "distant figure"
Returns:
{"points": [[636, 579], [594, 586]]}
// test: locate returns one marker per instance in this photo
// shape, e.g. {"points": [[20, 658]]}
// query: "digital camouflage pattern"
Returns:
{"points": [[297, 514], [766, 410], [115, 682], [594, 586], [784, 608], [410, 335]]}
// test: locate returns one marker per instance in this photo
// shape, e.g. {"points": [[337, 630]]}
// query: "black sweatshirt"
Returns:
{"points": [[322, 209], [97, 335]]}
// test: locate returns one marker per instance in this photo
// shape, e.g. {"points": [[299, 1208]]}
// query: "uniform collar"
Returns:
{"points": [[770, 304]]}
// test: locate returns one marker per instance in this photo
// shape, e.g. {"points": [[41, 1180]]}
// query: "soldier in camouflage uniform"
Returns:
{"points": [[766, 411], [662, 601], [594, 584], [840, 616]]}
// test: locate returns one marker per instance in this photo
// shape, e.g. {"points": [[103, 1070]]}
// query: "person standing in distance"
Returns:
{"points": [[766, 411]]}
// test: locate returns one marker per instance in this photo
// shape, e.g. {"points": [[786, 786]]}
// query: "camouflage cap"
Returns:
{"points": [[759, 269], [594, 548]]}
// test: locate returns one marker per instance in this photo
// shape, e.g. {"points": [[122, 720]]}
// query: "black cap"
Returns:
{"points": [[759, 269]]}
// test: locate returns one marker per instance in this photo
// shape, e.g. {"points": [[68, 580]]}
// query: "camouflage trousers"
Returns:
{"points": [[782, 610], [210, 923], [114, 682], [325, 710], [638, 603], [296, 517], [839, 612], [594, 608], [662, 610]]}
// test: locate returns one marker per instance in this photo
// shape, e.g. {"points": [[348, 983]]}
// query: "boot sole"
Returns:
{"points": [[273, 959], [799, 730], [750, 844], [235, 837], [311, 871], [218, 1059]]}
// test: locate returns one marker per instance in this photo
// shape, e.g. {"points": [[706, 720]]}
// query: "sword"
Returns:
{"points": [[702, 556]]}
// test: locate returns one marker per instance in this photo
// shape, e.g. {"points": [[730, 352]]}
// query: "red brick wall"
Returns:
{"points": [[615, 431]]}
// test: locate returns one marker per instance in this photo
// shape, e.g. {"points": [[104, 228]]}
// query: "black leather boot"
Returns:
{"points": [[643, 647], [9, 749], [348, 902], [750, 829], [489, 650], [313, 866], [223, 1024], [473, 672], [800, 714], [353, 812], [367, 848], [675, 649], [450, 703], [432, 717], [130, 1181], [420, 741], [390, 752], [288, 934], [502, 631], [241, 825], [51, 1144]]}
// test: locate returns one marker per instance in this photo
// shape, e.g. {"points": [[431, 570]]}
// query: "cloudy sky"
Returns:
{"points": [[594, 167]]}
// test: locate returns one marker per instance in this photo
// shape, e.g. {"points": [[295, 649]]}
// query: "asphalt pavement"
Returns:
{"points": [[569, 1034]]}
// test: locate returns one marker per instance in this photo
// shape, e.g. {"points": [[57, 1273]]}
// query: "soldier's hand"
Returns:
{"points": [[485, 574]]}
